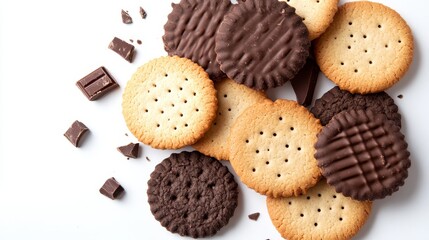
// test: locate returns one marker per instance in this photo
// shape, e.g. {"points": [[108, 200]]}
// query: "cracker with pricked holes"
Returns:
{"points": [[320, 214], [233, 99], [272, 148], [169, 103], [367, 48], [316, 14]]}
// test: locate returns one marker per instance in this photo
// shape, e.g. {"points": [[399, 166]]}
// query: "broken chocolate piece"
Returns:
{"points": [[254, 216], [126, 18], [112, 189], [96, 84], [122, 48], [75, 132], [305, 80], [143, 13], [131, 150]]}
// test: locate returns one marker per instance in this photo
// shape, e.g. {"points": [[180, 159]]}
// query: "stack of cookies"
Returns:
{"points": [[320, 167]]}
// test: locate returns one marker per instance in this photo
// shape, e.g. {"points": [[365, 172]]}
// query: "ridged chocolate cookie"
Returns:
{"points": [[336, 100], [192, 194], [363, 155], [190, 31], [262, 43]]}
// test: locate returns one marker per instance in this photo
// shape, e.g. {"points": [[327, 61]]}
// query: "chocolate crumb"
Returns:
{"points": [[131, 41], [112, 189], [75, 133], [131, 150], [254, 216], [126, 134], [124, 49], [147, 159], [143, 13], [400, 96], [139, 41], [126, 18]]}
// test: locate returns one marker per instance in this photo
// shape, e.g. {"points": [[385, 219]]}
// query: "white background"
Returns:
{"points": [[49, 188]]}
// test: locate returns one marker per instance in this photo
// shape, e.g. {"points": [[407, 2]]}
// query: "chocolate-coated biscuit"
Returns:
{"points": [[363, 155], [262, 43], [190, 31], [192, 194], [336, 100]]}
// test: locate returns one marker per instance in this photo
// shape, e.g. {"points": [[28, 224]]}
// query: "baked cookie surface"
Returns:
{"points": [[272, 148], [169, 103], [233, 99], [321, 213], [316, 14], [367, 48]]}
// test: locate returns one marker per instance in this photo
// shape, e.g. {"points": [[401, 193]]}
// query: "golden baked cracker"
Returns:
{"points": [[316, 14], [320, 214], [169, 103], [367, 48], [233, 99], [272, 148]]}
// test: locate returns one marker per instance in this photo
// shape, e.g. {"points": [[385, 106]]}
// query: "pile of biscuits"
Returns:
{"points": [[320, 167]]}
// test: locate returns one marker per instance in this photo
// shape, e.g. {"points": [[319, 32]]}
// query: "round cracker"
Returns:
{"points": [[272, 148], [169, 103], [316, 14], [233, 99], [320, 214], [367, 48]]}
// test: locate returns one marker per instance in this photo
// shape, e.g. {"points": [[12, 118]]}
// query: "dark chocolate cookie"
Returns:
{"points": [[336, 100], [262, 43], [192, 194], [363, 154], [190, 32]]}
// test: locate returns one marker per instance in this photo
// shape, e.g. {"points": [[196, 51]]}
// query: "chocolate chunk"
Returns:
{"points": [[305, 80], [143, 13], [254, 216], [96, 84], [122, 48], [75, 133], [192, 194], [131, 150], [112, 189], [262, 43], [363, 155], [190, 32], [126, 18], [336, 100]]}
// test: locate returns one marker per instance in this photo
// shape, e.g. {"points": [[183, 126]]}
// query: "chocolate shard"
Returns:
{"points": [[112, 189], [304, 82], [143, 13], [75, 133], [254, 216], [126, 18], [122, 48], [131, 150], [96, 84]]}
